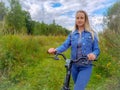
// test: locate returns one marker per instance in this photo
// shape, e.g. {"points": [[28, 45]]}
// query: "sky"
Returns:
{"points": [[63, 11]]}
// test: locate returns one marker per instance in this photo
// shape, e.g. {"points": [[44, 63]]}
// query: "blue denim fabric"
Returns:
{"points": [[81, 76], [88, 44], [81, 73]]}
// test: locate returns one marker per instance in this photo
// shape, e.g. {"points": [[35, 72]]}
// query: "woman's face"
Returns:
{"points": [[80, 19]]}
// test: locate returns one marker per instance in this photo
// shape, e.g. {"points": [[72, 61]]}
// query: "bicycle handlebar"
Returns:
{"points": [[83, 57]]}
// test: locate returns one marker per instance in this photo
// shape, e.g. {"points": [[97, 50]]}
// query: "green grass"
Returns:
{"points": [[25, 65]]}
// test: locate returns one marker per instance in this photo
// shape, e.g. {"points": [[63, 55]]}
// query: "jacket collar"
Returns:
{"points": [[76, 31]]}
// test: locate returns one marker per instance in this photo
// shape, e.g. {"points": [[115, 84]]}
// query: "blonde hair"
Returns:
{"points": [[87, 25]]}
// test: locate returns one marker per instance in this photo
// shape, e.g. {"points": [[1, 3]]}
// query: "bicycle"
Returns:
{"points": [[68, 66]]}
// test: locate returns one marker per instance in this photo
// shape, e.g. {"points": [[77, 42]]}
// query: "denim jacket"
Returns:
{"points": [[88, 44]]}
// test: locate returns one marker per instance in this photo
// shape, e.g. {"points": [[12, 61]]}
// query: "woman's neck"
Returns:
{"points": [[80, 29]]}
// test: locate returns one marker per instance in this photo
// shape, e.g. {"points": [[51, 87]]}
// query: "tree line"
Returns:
{"points": [[14, 20]]}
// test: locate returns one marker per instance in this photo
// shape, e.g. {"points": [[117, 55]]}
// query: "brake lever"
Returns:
{"points": [[56, 58]]}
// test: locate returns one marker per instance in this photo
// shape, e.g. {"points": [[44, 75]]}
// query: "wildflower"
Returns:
{"points": [[108, 64], [98, 76]]}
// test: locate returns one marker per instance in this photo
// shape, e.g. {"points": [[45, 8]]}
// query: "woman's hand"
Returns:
{"points": [[91, 56], [52, 50]]}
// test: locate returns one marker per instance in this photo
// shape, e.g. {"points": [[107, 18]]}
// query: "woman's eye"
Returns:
{"points": [[77, 17], [81, 17]]}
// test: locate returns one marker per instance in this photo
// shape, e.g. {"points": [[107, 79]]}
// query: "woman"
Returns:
{"points": [[83, 41]]}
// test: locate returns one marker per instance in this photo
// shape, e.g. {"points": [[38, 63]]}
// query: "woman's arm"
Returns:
{"points": [[61, 48], [96, 49], [65, 45]]}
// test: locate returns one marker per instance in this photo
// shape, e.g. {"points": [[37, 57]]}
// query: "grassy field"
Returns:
{"points": [[25, 65]]}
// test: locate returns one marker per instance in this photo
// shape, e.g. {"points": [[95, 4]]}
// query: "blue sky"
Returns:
{"points": [[63, 11], [56, 5]]}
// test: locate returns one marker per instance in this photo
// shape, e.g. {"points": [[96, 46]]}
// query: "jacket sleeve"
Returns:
{"points": [[96, 49], [65, 45]]}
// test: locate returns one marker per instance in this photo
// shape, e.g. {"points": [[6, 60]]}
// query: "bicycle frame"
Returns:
{"points": [[68, 66]]}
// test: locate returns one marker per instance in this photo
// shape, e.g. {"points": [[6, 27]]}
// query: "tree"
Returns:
{"points": [[113, 17], [29, 23], [15, 18], [111, 34], [2, 10]]}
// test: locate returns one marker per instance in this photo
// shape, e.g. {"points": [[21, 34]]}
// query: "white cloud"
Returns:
{"points": [[97, 22], [42, 10]]}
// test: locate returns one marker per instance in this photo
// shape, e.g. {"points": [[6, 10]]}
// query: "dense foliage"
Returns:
{"points": [[112, 40]]}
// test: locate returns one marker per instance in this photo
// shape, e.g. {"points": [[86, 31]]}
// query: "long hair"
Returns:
{"points": [[87, 25]]}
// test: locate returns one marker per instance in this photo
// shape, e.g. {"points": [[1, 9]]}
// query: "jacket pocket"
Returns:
{"points": [[88, 39]]}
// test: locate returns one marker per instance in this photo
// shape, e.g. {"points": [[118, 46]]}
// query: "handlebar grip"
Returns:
{"points": [[59, 54]]}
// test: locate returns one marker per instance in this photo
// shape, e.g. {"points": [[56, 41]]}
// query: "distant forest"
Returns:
{"points": [[14, 20]]}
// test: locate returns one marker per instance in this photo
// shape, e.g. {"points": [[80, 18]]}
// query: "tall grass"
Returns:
{"points": [[25, 64]]}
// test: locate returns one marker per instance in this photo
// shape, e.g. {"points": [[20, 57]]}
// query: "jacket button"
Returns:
{"points": [[83, 43]]}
